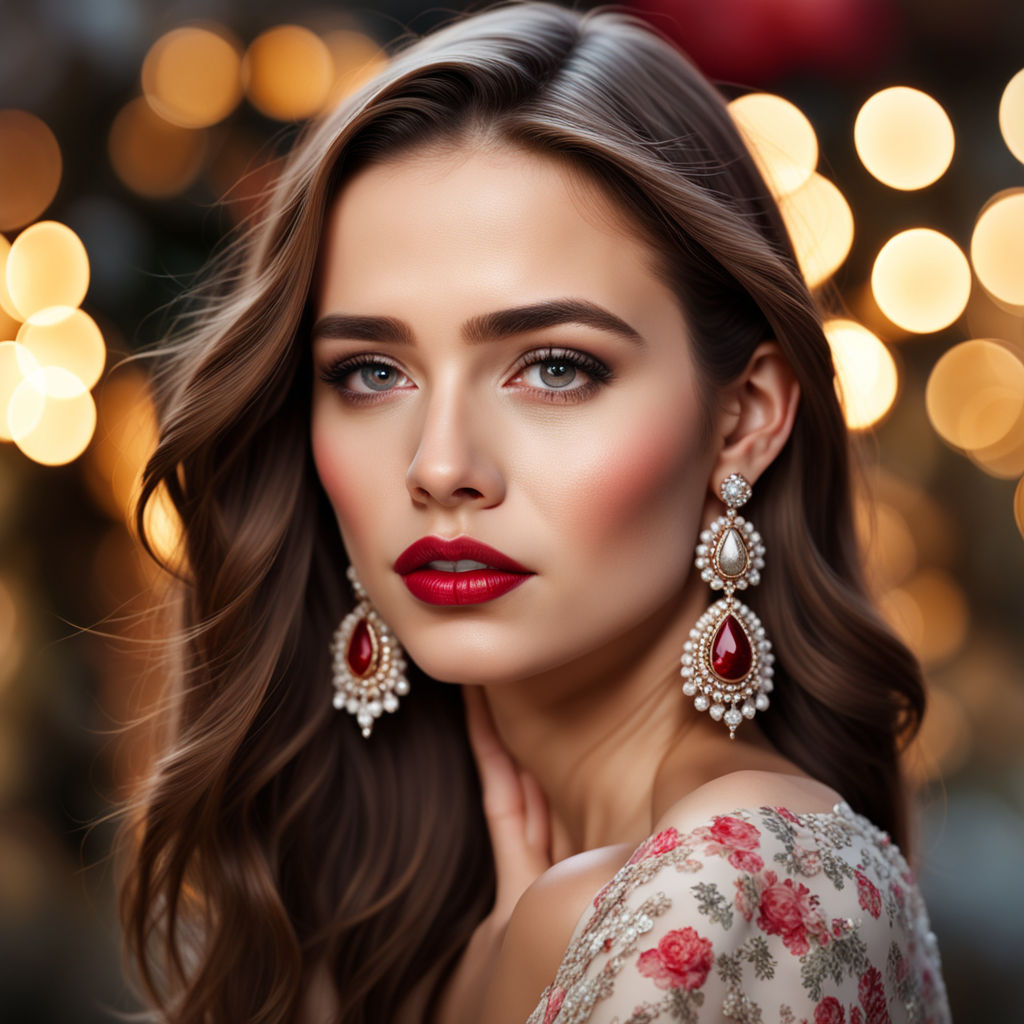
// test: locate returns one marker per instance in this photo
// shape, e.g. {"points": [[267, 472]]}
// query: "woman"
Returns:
{"points": [[519, 328]]}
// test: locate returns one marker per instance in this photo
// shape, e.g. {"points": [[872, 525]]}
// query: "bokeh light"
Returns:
{"points": [[820, 225], [866, 377], [356, 58], [67, 337], [51, 416], [16, 363], [191, 76], [904, 137], [30, 168], [780, 138], [10, 318], [929, 611], [152, 157], [1011, 115], [975, 401], [997, 247], [47, 266], [125, 439], [1018, 506], [921, 280], [288, 73]]}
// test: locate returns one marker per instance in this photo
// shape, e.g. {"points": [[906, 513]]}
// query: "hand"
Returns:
{"points": [[515, 808]]}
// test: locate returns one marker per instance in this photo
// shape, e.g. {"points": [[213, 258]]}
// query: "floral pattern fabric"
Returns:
{"points": [[758, 916]]}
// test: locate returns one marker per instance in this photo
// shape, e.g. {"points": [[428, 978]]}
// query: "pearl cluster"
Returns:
{"points": [[710, 691], [369, 696]]}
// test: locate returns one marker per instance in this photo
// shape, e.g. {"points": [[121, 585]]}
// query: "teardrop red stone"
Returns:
{"points": [[360, 649], [731, 656]]}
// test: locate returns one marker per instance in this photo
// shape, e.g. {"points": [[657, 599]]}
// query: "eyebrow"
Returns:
{"points": [[504, 323]]}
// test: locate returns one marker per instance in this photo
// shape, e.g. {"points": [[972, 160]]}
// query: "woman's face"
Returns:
{"points": [[568, 440]]}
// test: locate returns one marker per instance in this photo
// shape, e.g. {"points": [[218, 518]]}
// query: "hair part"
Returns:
{"points": [[264, 816]]}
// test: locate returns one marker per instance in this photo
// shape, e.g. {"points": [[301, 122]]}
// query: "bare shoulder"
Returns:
{"points": [[748, 789], [541, 927]]}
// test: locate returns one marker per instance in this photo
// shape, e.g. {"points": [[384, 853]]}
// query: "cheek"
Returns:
{"points": [[637, 479]]}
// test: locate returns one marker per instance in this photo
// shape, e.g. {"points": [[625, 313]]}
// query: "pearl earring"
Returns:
{"points": [[727, 661]]}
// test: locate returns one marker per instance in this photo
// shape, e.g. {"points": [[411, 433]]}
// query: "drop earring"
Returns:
{"points": [[368, 662], [727, 661]]}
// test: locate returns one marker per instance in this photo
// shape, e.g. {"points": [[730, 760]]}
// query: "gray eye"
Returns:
{"points": [[557, 374], [378, 376]]}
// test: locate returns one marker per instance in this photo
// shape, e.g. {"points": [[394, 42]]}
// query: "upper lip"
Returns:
{"points": [[431, 549]]}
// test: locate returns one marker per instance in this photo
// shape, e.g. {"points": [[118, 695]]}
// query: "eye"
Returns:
{"points": [[561, 374], [362, 377]]}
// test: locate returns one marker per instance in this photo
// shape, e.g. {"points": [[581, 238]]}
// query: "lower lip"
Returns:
{"points": [[474, 587]]}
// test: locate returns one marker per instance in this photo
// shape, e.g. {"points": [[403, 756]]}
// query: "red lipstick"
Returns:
{"points": [[496, 574]]}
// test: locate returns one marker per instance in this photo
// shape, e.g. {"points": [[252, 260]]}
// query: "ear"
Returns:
{"points": [[756, 413]]}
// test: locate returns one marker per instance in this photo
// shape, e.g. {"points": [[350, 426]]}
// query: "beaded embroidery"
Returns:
{"points": [[785, 917]]}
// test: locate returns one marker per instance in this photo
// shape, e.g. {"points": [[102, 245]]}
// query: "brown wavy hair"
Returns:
{"points": [[270, 840]]}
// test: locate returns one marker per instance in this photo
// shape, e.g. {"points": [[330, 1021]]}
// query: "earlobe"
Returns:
{"points": [[762, 404]]}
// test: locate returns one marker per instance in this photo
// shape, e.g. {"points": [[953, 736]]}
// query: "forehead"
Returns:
{"points": [[482, 219]]}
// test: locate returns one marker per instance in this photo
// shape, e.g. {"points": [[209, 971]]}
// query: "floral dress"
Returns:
{"points": [[758, 916]]}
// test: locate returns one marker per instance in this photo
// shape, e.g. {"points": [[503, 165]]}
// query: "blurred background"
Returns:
{"points": [[134, 134]]}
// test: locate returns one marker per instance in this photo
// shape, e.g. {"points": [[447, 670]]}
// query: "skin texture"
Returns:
{"points": [[581, 735]]}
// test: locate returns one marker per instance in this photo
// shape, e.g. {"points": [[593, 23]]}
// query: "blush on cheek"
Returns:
{"points": [[642, 477]]}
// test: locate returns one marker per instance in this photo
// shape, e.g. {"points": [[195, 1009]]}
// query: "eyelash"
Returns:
{"points": [[335, 374]]}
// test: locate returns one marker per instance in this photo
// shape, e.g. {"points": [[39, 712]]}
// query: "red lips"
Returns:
{"points": [[437, 586]]}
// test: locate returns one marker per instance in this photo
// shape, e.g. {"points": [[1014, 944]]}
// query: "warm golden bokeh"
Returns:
{"points": [[997, 247], [16, 363], [125, 438], [1011, 115], [780, 138], [904, 137], [820, 225], [152, 157], [51, 416], [921, 280], [929, 611], [975, 397], [68, 337], [191, 76], [30, 168], [1018, 506], [866, 377], [47, 266], [10, 319], [356, 58], [288, 73]]}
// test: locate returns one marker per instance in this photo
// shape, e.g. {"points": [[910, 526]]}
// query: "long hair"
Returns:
{"points": [[270, 840]]}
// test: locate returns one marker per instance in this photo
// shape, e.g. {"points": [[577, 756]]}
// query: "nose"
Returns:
{"points": [[454, 461]]}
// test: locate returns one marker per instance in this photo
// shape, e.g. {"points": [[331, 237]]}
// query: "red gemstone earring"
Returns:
{"points": [[727, 662], [368, 662]]}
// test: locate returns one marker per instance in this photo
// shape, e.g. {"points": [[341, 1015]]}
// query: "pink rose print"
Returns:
{"points": [[790, 911], [746, 861], [871, 994], [897, 893], [787, 814], [869, 896], [734, 838], [667, 839], [554, 1004], [682, 959], [855, 1017], [829, 1011]]}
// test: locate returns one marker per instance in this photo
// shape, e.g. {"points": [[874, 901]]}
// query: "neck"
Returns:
{"points": [[600, 734]]}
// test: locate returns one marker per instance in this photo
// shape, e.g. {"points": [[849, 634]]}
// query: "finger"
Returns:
{"points": [[499, 777], [537, 829]]}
